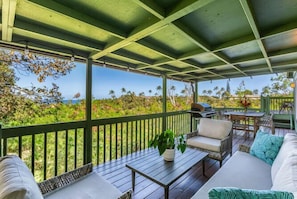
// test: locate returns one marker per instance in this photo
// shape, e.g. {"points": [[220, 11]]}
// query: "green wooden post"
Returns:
{"points": [[164, 103], [196, 100], [268, 104], [196, 92], [262, 103], [0, 140], [88, 129]]}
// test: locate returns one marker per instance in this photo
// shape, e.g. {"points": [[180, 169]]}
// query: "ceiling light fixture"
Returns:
{"points": [[26, 51], [72, 57]]}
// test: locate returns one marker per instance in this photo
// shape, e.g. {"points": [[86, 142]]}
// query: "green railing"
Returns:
{"points": [[53, 149], [274, 104]]}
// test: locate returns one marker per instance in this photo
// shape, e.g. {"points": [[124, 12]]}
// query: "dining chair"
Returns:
{"points": [[240, 122], [266, 122]]}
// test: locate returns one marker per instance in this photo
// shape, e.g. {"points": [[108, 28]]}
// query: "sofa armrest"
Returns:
{"points": [[192, 134], [244, 148], [64, 179]]}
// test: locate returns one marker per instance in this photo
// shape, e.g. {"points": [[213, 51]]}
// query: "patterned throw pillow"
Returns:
{"points": [[266, 146], [234, 193]]}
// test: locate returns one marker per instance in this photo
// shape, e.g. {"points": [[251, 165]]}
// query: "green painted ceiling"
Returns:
{"points": [[189, 40]]}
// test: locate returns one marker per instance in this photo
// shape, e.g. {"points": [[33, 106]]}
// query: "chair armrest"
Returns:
{"points": [[225, 143], [192, 134], [126, 195], [64, 179], [244, 148]]}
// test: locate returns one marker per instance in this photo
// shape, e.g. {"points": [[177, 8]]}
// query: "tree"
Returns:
{"points": [[266, 91], [228, 87], [112, 94], [22, 104], [123, 91], [159, 89], [171, 95], [209, 92], [204, 92], [255, 91], [281, 85]]}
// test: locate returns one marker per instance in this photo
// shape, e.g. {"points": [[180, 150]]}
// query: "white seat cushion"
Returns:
{"points": [[243, 171], [218, 129], [204, 143], [91, 186], [16, 180]]}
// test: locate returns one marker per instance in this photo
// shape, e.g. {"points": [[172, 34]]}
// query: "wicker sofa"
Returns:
{"points": [[245, 175], [17, 182]]}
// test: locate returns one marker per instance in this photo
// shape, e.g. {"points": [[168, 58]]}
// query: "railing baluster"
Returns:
{"points": [[121, 139], [56, 153], [4, 146], [33, 154], [110, 142], [66, 151], [144, 134], [45, 156], [75, 148], [127, 133], [132, 132], [104, 144], [98, 144], [20, 146], [116, 140]]}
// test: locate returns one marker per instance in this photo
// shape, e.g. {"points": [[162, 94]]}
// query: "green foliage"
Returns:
{"points": [[167, 140], [20, 105]]}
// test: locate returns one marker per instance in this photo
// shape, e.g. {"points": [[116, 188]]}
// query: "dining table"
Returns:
{"points": [[254, 116]]}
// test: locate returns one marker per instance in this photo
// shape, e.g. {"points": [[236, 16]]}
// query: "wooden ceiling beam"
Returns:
{"points": [[8, 17], [251, 19], [183, 8]]}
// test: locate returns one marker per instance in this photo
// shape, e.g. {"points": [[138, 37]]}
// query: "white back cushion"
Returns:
{"points": [[286, 177], [288, 148], [218, 129], [16, 180]]}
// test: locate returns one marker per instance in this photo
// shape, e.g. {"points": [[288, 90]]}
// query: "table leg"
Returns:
{"points": [[166, 192], [133, 180], [255, 126], [203, 167]]}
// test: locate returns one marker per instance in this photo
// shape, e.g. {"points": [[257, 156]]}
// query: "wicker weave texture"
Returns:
{"points": [[244, 148], [64, 179]]}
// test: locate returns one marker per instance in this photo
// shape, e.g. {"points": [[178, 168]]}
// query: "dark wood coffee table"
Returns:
{"points": [[153, 167]]}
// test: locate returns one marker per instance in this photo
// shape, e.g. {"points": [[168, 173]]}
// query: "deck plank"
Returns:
{"points": [[185, 187]]}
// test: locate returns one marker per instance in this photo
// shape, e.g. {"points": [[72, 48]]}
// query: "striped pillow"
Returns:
{"points": [[234, 193]]}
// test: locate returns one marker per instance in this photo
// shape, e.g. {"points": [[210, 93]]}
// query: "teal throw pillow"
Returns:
{"points": [[266, 146], [236, 193]]}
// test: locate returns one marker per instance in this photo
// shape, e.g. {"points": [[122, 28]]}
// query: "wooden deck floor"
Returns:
{"points": [[185, 187]]}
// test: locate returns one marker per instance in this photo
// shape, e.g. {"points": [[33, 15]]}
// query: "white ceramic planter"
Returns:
{"points": [[169, 154]]}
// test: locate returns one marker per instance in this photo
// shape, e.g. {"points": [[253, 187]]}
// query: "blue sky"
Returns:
{"points": [[105, 79]]}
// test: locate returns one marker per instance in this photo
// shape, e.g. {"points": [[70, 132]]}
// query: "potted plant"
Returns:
{"points": [[166, 141]]}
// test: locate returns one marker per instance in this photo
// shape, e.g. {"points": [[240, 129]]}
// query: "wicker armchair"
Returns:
{"points": [[213, 137]]}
